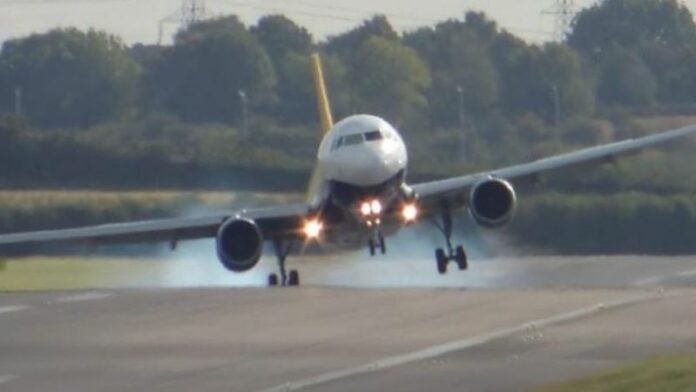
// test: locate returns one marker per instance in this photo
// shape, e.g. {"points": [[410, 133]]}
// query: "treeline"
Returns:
{"points": [[228, 98], [623, 223]]}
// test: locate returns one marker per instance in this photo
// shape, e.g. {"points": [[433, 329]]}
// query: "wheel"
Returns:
{"points": [[294, 278], [382, 245], [272, 280], [460, 257], [371, 245], [441, 261]]}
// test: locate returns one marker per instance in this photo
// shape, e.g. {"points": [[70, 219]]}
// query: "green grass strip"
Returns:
{"points": [[666, 373]]}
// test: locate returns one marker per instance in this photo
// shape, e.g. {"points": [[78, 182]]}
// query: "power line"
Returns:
{"points": [[563, 12], [400, 21], [191, 11]]}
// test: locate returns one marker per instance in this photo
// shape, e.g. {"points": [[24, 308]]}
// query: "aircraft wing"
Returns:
{"points": [[281, 221], [455, 189]]}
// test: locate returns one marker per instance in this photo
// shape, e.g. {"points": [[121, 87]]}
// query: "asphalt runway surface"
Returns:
{"points": [[507, 324]]}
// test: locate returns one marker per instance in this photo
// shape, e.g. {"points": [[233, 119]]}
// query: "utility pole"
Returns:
{"points": [[556, 96], [462, 123], [563, 12], [18, 101], [245, 112], [191, 11]]}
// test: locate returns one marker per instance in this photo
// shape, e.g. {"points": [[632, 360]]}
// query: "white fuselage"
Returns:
{"points": [[362, 161], [362, 151]]}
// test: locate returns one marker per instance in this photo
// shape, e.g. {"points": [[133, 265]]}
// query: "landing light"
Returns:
{"points": [[410, 213], [313, 229], [366, 209], [376, 207]]}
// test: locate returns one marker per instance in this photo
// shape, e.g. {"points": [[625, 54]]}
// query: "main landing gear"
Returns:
{"points": [[286, 279], [452, 254]]}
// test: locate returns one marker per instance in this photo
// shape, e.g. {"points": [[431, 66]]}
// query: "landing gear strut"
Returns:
{"points": [[286, 279], [377, 242], [457, 254]]}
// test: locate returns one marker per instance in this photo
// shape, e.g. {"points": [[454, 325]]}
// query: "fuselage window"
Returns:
{"points": [[373, 136]]}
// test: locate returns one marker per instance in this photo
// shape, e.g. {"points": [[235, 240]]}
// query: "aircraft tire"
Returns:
{"points": [[460, 258], [272, 280], [294, 278], [371, 245], [382, 245], [441, 261]]}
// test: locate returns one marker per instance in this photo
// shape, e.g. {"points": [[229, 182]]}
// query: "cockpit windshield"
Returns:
{"points": [[374, 136], [357, 138], [351, 140]]}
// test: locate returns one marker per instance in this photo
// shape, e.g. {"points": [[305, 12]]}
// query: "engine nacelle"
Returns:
{"points": [[239, 244], [492, 203]]}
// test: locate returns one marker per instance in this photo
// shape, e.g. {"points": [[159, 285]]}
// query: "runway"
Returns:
{"points": [[510, 324]]}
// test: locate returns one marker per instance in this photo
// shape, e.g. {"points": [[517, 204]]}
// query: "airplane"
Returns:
{"points": [[358, 196]]}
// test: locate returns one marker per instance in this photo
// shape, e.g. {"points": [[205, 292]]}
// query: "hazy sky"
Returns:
{"points": [[138, 20]]}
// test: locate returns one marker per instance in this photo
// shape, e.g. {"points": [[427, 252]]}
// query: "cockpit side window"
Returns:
{"points": [[337, 144], [374, 136]]}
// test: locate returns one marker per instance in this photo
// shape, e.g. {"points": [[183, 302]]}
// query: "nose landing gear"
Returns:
{"points": [[377, 242], [457, 255]]}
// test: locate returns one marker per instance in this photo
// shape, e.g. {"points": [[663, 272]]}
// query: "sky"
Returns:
{"points": [[139, 20]]}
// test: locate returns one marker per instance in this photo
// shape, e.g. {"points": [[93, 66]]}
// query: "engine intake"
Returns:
{"points": [[492, 203], [239, 244]]}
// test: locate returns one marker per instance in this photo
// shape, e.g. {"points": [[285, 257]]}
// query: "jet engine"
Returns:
{"points": [[239, 244], [492, 202]]}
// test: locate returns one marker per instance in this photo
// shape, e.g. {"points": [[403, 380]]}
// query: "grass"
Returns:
{"points": [[54, 197], [666, 373], [76, 273]]}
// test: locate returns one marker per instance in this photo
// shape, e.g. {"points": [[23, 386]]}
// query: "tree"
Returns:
{"points": [[68, 77], [457, 53], [200, 78], [542, 80], [289, 47], [625, 80], [562, 74], [632, 24], [348, 42], [654, 36], [390, 79], [281, 36]]}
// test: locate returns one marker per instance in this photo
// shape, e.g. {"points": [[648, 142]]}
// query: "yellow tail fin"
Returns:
{"points": [[325, 118], [323, 106]]}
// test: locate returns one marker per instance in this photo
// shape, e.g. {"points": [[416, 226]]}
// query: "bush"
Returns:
{"points": [[633, 223]]}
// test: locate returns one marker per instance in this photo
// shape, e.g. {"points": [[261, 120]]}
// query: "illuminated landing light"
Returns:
{"points": [[376, 207], [313, 229], [410, 213], [366, 209]]}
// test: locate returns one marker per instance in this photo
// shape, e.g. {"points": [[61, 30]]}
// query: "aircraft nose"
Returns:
{"points": [[371, 167]]}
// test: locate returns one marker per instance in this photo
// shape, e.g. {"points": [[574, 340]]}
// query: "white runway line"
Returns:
{"points": [[447, 348], [687, 273], [10, 309], [91, 296], [649, 281], [656, 279]]}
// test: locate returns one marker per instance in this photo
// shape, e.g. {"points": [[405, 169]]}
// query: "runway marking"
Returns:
{"points": [[648, 281], [459, 345], [655, 279], [10, 309], [687, 273], [5, 378], [91, 296]]}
